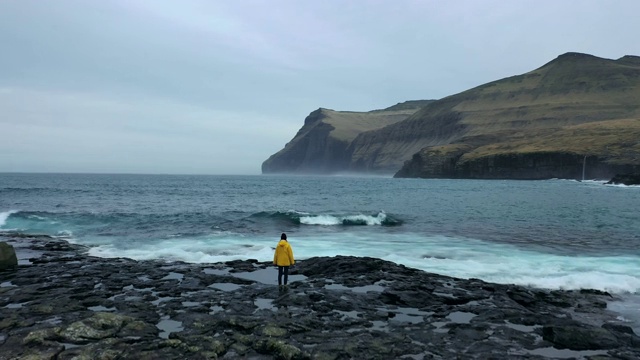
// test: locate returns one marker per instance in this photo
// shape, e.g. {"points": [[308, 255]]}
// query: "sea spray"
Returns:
{"points": [[4, 216], [358, 219], [458, 257]]}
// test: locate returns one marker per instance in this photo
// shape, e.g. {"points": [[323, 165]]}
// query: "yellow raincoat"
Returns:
{"points": [[283, 255]]}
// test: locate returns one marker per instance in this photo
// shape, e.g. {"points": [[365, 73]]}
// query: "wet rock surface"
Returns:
{"points": [[64, 304], [625, 179]]}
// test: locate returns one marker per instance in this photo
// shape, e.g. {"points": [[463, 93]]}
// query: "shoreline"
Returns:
{"points": [[66, 303]]}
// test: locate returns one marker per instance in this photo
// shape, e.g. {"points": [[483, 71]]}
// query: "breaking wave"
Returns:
{"points": [[5, 215], [359, 219], [297, 217]]}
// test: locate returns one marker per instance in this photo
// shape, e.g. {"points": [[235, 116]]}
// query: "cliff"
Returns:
{"points": [[538, 125], [323, 143], [542, 124]]}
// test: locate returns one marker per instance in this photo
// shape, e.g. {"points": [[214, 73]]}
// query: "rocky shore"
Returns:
{"points": [[61, 303], [625, 179]]}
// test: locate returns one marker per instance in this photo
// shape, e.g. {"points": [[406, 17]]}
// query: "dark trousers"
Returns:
{"points": [[283, 270]]}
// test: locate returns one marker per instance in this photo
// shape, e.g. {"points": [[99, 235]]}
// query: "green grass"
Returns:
{"points": [[618, 141], [577, 103], [348, 125]]}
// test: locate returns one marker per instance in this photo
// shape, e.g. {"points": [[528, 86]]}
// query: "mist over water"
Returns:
{"points": [[550, 234]]}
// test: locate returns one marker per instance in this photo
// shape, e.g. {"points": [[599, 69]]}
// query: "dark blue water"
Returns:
{"points": [[563, 217]]}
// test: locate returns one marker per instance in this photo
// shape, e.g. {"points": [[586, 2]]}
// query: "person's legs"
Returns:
{"points": [[280, 275], [286, 274]]}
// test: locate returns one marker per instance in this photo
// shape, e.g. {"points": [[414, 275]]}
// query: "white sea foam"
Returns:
{"points": [[599, 184], [203, 250], [623, 186], [329, 220], [320, 220], [458, 257], [5, 215], [506, 264], [594, 182]]}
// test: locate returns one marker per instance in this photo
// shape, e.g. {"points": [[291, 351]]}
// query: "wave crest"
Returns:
{"points": [[5, 215], [302, 218], [380, 219]]}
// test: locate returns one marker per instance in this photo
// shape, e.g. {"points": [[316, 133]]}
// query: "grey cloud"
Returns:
{"points": [[195, 79]]}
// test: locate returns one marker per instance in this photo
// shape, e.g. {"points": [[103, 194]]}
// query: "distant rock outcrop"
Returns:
{"points": [[435, 163], [625, 179], [324, 144], [542, 124]]}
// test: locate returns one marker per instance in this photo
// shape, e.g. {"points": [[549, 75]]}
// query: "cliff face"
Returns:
{"points": [[524, 166], [311, 150], [540, 124], [322, 145]]}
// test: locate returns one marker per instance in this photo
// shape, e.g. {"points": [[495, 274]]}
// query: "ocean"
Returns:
{"points": [[555, 234]]}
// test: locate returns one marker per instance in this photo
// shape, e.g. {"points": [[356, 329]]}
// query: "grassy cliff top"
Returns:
{"points": [[347, 125], [572, 89], [576, 103], [618, 141]]}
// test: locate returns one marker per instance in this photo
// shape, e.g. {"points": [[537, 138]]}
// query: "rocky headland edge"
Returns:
{"points": [[575, 117], [60, 303]]}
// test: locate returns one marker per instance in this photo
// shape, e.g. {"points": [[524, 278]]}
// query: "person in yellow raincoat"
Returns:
{"points": [[283, 258]]}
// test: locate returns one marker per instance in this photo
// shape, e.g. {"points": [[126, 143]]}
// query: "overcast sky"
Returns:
{"points": [[216, 87]]}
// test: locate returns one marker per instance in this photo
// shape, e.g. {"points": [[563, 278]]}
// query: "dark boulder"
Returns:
{"points": [[580, 338], [8, 257], [625, 179]]}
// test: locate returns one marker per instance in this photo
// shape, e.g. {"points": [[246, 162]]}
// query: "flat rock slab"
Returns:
{"points": [[67, 305]]}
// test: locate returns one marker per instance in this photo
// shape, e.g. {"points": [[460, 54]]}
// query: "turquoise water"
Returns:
{"points": [[551, 234]]}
